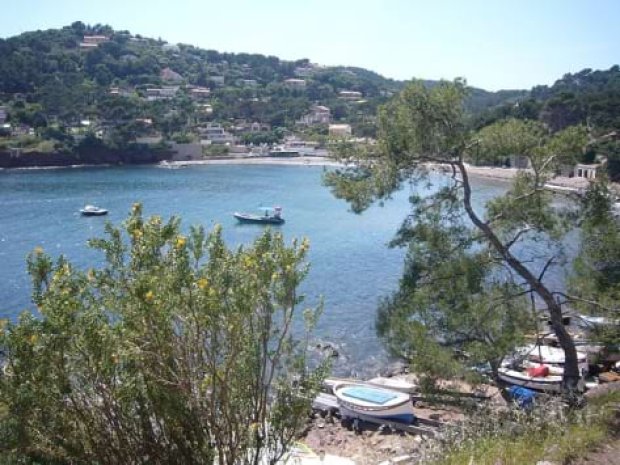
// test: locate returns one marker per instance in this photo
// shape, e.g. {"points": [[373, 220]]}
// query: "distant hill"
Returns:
{"points": [[69, 74], [587, 97], [82, 87]]}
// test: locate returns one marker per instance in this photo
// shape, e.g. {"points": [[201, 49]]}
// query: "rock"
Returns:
{"points": [[320, 424], [546, 462], [401, 459], [435, 416]]}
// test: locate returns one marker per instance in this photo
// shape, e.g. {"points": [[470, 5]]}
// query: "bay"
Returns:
{"points": [[351, 265]]}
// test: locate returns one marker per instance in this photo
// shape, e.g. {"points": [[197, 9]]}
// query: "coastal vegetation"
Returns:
{"points": [[548, 433], [469, 283], [176, 350]]}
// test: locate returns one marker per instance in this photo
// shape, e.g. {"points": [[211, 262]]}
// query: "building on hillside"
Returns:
{"points": [[214, 133], [204, 108], [161, 93], [95, 39], [150, 139], [216, 80], [199, 93], [3, 115], [340, 130], [295, 83], [304, 71], [120, 92], [174, 48], [89, 42], [318, 114], [169, 75], [587, 171], [243, 127], [350, 95], [248, 82]]}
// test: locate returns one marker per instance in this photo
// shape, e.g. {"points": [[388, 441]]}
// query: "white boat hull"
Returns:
{"points": [[552, 383], [398, 408]]}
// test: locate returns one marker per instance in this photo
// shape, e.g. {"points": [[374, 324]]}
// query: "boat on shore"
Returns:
{"points": [[549, 383], [269, 216], [385, 404], [91, 210], [551, 356]]}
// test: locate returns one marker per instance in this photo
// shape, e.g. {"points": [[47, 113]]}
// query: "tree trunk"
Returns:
{"points": [[570, 378]]}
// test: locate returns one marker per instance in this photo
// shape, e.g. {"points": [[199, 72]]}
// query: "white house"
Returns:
{"points": [[199, 93], [295, 83], [161, 93], [214, 133], [340, 130], [349, 95], [318, 114]]}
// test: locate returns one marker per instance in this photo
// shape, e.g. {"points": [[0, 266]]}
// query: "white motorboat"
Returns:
{"points": [[552, 356], [381, 403], [395, 384], [91, 210], [550, 383]]}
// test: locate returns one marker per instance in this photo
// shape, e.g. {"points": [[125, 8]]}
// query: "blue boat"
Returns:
{"points": [[269, 216]]}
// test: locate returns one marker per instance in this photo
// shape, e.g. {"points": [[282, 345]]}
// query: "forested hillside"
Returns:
{"points": [[83, 87]]}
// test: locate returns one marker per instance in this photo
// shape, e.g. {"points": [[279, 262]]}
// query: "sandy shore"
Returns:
{"points": [[558, 184], [296, 161]]}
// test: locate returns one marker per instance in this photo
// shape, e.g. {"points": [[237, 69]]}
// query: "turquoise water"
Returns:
{"points": [[351, 266]]}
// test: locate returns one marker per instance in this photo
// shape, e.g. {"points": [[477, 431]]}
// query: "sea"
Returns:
{"points": [[351, 265]]}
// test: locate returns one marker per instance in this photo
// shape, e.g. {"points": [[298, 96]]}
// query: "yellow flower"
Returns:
{"points": [[114, 358], [156, 220], [91, 274], [136, 233], [202, 283], [149, 296], [305, 244], [38, 250], [33, 339], [180, 242]]}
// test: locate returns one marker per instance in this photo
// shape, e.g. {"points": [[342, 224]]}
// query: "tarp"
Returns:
{"points": [[524, 397]]}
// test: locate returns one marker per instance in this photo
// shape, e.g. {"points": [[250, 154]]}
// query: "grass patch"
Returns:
{"points": [[565, 436]]}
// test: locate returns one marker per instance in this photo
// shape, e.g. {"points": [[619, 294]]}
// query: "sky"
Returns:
{"points": [[494, 44]]}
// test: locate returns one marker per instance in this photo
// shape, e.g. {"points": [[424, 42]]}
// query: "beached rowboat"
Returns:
{"points": [[386, 404]]}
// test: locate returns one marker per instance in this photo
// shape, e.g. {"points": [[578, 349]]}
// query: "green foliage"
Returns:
{"points": [[176, 350], [595, 279], [514, 437], [450, 299], [466, 274]]}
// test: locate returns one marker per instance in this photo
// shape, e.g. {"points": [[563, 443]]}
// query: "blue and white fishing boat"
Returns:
{"points": [[269, 216], [385, 404], [91, 210]]}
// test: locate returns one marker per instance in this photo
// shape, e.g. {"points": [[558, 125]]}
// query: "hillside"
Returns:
{"points": [[127, 86], [82, 89], [587, 97]]}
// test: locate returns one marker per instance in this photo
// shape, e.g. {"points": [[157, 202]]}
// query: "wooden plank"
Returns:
{"points": [[425, 431], [326, 402]]}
